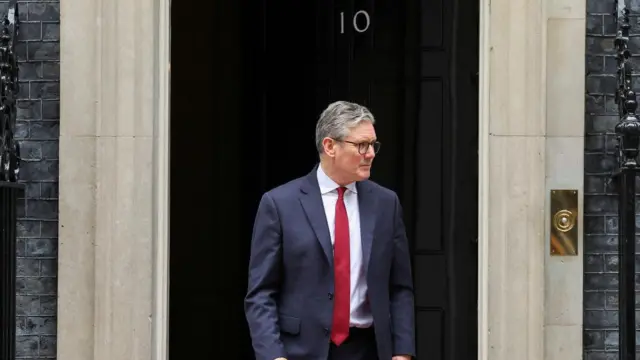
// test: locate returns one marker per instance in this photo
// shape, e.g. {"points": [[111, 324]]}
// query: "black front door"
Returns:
{"points": [[244, 106]]}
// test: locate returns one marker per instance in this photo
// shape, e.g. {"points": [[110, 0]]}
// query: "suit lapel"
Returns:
{"points": [[311, 201], [367, 206]]}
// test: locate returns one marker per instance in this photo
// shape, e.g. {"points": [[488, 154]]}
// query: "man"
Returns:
{"points": [[329, 273]]}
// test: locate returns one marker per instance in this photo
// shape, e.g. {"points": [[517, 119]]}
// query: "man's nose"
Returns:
{"points": [[370, 154]]}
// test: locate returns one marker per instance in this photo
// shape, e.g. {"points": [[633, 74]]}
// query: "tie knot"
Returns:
{"points": [[341, 191]]}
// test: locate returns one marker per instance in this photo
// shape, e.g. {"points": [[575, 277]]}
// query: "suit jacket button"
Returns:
{"points": [[330, 296], [326, 331]]}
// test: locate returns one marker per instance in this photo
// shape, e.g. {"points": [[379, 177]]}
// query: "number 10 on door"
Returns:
{"points": [[356, 27]]}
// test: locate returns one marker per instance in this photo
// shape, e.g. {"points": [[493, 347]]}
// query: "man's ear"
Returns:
{"points": [[329, 146]]}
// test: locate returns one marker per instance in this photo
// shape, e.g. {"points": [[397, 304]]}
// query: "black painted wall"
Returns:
{"points": [[38, 129], [601, 223]]}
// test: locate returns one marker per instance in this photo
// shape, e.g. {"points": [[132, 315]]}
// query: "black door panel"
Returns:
{"points": [[248, 85]]}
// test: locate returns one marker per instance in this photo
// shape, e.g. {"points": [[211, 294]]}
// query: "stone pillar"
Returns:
{"points": [[113, 146], [512, 179], [566, 30], [531, 141]]}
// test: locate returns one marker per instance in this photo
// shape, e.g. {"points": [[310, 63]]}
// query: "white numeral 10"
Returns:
{"points": [[355, 24]]}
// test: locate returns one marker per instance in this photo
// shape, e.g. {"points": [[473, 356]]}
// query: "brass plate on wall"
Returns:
{"points": [[564, 222]]}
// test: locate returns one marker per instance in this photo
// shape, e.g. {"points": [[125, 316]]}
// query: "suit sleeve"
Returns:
{"points": [[401, 290], [264, 282]]}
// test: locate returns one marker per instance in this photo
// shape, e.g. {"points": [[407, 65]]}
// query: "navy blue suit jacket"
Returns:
{"points": [[289, 304]]}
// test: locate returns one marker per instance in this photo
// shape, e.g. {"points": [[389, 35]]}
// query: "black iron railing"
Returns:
{"points": [[10, 190], [9, 195], [628, 145]]}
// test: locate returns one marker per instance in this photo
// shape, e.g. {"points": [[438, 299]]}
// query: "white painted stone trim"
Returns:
{"points": [[161, 148], [113, 228], [483, 180]]}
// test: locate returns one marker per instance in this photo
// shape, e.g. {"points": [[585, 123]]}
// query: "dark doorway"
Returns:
{"points": [[248, 83]]}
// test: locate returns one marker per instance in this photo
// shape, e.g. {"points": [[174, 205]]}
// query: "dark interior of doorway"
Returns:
{"points": [[242, 121]]}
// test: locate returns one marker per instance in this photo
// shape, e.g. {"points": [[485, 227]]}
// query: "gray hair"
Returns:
{"points": [[338, 119]]}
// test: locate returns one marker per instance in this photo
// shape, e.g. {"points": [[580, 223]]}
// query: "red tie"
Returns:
{"points": [[342, 270]]}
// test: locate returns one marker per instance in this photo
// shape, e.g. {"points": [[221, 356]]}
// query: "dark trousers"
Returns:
{"points": [[360, 345]]}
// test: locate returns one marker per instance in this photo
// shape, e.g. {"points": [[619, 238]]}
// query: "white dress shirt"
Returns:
{"points": [[360, 311]]}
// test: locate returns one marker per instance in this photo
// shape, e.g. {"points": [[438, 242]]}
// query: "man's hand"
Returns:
{"points": [[401, 357]]}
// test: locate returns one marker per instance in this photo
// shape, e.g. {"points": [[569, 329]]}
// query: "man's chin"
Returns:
{"points": [[364, 172]]}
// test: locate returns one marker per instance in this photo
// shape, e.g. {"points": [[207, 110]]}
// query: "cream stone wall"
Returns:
{"points": [[512, 179], [114, 182], [565, 170], [531, 141]]}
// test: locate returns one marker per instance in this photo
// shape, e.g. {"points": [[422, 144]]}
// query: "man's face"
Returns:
{"points": [[348, 161]]}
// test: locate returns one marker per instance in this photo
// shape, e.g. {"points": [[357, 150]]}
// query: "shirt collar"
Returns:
{"points": [[328, 185]]}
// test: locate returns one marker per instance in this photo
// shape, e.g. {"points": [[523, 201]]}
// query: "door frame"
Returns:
{"points": [[109, 49], [161, 181], [484, 52]]}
